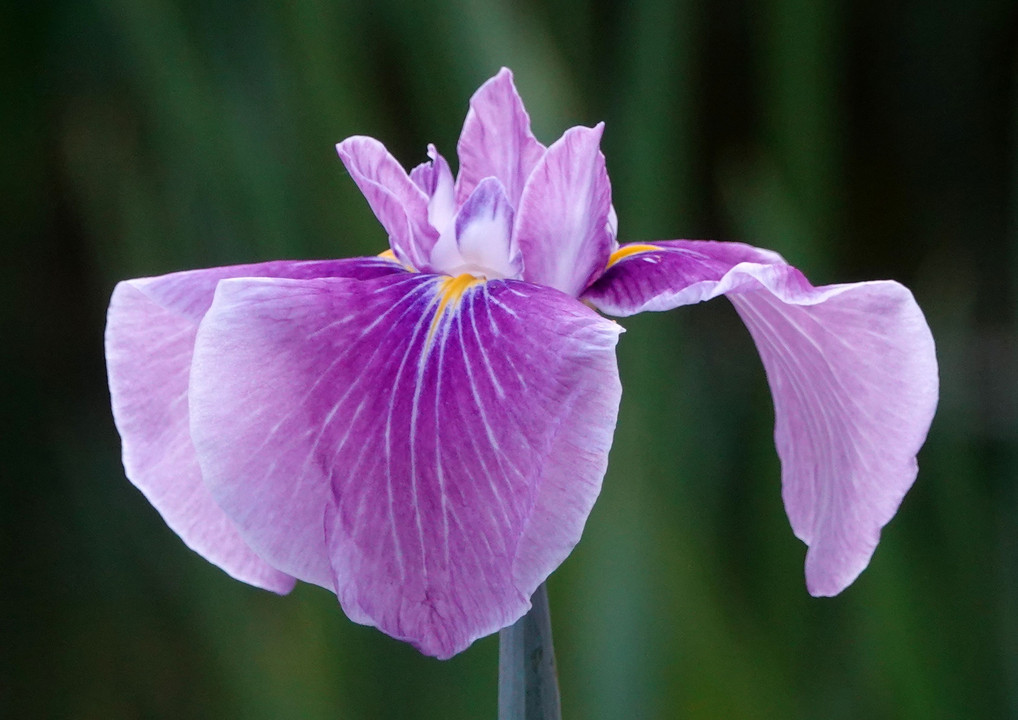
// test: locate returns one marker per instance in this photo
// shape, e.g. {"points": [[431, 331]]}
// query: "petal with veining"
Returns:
{"points": [[150, 333], [852, 370], [398, 203], [449, 435], [496, 140], [564, 219]]}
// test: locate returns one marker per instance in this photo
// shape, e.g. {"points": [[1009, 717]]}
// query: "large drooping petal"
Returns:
{"points": [[456, 430], [398, 203], [563, 220], [852, 369], [150, 333], [496, 140]]}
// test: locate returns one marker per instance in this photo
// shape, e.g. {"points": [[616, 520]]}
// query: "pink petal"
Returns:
{"points": [[852, 369], [449, 435], [563, 221], [496, 140], [149, 340], [398, 203]]}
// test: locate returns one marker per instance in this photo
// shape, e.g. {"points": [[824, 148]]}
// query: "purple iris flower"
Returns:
{"points": [[425, 432]]}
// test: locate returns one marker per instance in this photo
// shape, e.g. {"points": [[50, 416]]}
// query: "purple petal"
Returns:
{"points": [[852, 369], [149, 340], [496, 140], [399, 204], [563, 221], [435, 179], [450, 435]]}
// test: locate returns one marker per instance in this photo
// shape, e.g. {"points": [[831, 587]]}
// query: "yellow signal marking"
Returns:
{"points": [[451, 290], [627, 250], [390, 255]]}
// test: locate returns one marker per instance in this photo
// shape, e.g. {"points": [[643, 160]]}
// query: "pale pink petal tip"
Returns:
{"points": [[496, 140]]}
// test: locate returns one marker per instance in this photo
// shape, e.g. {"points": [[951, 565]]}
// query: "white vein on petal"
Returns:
{"points": [[492, 439], [496, 331], [296, 407], [484, 354], [491, 301], [822, 482], [388, 438], [857, 410], [489, 475], [299, 405], [360, 377], [439, 474]]}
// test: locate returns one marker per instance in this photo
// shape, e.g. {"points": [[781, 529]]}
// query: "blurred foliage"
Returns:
{"points": [[861, 140]]}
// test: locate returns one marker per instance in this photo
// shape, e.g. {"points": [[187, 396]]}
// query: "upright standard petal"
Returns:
{"points": [[398, 203], [479, 240], [496, 140], [435, 179], [852, 369], [483, 230], [150, 333], [449, 435], [564, 218]]}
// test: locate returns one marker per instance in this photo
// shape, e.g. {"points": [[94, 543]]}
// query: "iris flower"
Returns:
{"points": [[424, 432]]}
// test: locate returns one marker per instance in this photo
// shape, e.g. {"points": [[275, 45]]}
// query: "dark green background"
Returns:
{"points": [[862, 140]]}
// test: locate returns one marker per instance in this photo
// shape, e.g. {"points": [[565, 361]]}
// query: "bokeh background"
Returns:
{"points": [[861, 139]]}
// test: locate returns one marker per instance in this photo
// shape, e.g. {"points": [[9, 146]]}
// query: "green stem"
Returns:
{"points": [[527, 680]]}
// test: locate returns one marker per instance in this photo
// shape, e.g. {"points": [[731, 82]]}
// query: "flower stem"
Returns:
{"points": [[527, 679]]}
